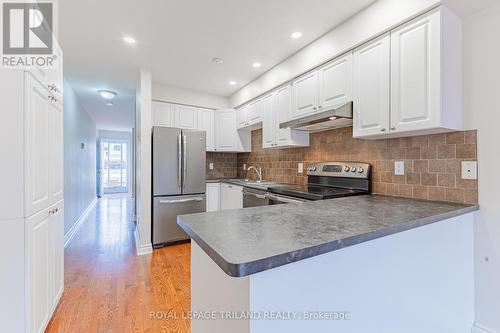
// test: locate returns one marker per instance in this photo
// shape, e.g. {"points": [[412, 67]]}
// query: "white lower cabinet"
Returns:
{"points": [[213, 197], [231, 196], [44, 236]]}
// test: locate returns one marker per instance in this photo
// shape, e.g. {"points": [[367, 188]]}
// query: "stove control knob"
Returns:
{"points": [[313, 168], [361, 170], [346, 168], [353, 169]]}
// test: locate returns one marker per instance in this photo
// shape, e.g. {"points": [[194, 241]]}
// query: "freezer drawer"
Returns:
{"points": [[165, 212]]}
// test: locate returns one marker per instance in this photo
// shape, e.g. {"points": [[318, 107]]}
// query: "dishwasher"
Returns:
{"points": [[253, 197]]}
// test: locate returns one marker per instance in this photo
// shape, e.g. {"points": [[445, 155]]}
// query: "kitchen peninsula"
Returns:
{"points": [[368, 256]]}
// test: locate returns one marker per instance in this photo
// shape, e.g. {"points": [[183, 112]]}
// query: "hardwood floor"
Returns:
{"points": [[110, 289]]}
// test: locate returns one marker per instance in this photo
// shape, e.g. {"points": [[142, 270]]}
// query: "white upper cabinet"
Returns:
{"points": [[206, 122], [269, 124], [186, 117], [372, 88], [225, 130], [426, 74], [254, 114], [163, 114], [250, 115], [305, 94], [37, 146], [335, 82]]}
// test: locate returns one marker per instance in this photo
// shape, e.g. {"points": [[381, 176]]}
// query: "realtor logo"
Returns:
{"points": [[27, 35]]}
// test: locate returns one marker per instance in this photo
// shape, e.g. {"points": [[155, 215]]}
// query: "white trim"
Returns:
{"points": [[141, 249], [477, 328], [68, 237]]}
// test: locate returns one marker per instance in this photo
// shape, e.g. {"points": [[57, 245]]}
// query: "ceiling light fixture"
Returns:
{"points": [[296, 34], [232, 83], [256, 64], [107, 94], [129, 40], [217, 61]]}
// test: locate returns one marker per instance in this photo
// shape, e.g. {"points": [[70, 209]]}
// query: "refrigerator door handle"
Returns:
{"points": [[179, 175], [184, 177], [180, 200]]}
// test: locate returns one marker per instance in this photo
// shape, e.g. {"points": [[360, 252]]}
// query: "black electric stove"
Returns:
{"points": [[330, 180]]}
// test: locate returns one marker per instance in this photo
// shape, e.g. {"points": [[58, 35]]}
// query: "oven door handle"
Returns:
{"points": [[283, 199]]}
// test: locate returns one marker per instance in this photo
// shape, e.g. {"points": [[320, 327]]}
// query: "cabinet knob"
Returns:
{"points": [[314, 108], [382, 130], [319, 107], [393, 128]]}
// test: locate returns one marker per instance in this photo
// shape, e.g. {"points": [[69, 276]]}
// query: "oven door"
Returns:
{"points": [[274, 199]]}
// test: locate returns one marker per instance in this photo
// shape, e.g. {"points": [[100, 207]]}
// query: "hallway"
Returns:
{"points": [[110, 289]]}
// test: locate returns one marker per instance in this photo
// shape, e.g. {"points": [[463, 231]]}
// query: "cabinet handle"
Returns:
{"points": [[314, 108], [382, 130], [319, 107], [393, 128]]}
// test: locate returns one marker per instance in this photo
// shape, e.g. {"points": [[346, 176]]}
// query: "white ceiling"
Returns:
{"points": [[176, 40]]}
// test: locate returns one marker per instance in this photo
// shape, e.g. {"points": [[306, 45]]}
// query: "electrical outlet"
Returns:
{"points": [[244, 166], [399, 168], [300, 168], [211, 166], [469, 169]]}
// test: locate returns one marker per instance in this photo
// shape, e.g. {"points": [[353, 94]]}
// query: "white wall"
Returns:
{"points": [[168, 93], [79, 164], [143, 165], [381, 16], [482, 107]]}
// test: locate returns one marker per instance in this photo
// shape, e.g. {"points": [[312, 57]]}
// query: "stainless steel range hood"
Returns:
{"points": [[340, 116]]}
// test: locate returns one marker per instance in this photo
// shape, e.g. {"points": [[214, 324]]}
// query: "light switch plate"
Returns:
{"points": [[244, 166], [399, 168], [211, 166], [469, 169], [300, 168]]}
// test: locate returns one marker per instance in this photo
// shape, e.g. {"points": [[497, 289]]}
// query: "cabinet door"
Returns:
{"points": [[242, 116], [305, 94], [254, 112], [37, 149], [371, 88], [163, 114], [269, 121], [206, 123], [225, 130], [335, 82], [38, 270], [226, 196], [213, 190], [237, 197], [283, 113], [55, 75], [415, 75], [56, 152], [186, 117], [57, 254]]}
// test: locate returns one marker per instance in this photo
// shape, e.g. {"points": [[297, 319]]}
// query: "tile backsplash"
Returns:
{"points": [[432, 162], [225, 165]]}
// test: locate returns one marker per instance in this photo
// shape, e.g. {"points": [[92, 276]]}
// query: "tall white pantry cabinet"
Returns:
{"points": [[31, 197]]}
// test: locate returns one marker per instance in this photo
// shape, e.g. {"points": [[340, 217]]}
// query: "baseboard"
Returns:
{"points": [[477, 328], [141, 249], [74, 228]]}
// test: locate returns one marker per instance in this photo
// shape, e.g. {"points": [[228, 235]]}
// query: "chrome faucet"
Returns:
{"points": [[257, 169]]}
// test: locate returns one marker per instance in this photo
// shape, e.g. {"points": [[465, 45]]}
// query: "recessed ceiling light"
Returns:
{"points": [[296, 34], [129, 40], [256, 64], [232, 83], [218, 61], [109, 104], [107, 94]]}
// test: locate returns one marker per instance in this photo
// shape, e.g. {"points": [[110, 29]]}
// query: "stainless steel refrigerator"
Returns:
{"points": [[179, 180]]}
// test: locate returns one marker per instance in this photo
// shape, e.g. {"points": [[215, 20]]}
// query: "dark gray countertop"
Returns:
{"points": [[251, 240]]}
